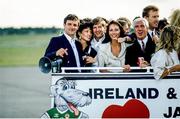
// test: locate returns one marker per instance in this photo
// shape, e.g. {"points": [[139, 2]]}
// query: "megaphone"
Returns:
{"points": [[46, 65]]}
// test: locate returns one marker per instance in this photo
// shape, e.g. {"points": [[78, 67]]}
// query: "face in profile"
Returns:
{"points": [[86, 34]]}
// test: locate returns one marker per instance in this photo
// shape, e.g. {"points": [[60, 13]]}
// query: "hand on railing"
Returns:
{"points": [[127, 68]]}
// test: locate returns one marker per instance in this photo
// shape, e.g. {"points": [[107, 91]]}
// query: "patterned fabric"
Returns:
{"points": [[55, 113]]}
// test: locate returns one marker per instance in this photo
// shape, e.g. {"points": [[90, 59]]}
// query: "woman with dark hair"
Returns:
{"points": [[84, 35], [162, 23], [112, 54], [165, 60]]}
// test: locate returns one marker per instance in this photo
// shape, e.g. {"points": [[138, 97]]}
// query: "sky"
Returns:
{"points": [[48, 13]]}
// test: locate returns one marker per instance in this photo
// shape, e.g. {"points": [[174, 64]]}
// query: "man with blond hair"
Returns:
{"points": [[99, 29]]}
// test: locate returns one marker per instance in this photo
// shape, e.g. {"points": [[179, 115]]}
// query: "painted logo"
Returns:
{"points": [[132, 109], [67, 99]]}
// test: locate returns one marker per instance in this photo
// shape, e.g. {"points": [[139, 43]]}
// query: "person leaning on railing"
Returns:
{"points": [[139, 54], [112, 54], [84, 34], [66, 46], [165, 60]]}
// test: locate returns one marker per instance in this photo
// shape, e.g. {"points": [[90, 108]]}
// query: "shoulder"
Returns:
{"points": [[93, 51], [77, 42], [159, 56], [126, 45], [160, 53], [104, 46], [57, 38], [106, 40], [133, 46], [150, 40]]}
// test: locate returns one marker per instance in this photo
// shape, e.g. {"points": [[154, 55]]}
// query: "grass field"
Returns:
{"points": [[22, 50]]}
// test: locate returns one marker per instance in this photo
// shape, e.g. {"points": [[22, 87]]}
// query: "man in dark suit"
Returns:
{"points": [[66, 46], [151, 14], [143, 46]]}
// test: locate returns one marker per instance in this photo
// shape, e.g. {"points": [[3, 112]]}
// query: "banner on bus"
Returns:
{"points": [[133, 98]]}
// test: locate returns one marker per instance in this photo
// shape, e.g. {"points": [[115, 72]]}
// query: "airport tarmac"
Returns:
{"points": [[24, 92]]}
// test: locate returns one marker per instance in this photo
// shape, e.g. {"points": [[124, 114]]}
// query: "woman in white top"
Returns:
{"points": [[112, 54], [165, 60]]}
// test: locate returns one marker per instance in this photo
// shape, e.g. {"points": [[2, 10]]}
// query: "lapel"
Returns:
{"points": [[66, 43], [137, 45], [71, 55], [68, 46], [149, 44]]}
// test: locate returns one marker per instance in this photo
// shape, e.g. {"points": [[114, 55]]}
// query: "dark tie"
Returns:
{"points": [[143, 46], [152, 34]]}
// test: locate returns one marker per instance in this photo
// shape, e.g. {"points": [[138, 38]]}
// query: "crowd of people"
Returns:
{"points": [[146, 41]]}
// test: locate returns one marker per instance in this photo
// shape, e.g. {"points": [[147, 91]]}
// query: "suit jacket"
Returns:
{"points": [[134, 51], [89, 51], [62, 42]]}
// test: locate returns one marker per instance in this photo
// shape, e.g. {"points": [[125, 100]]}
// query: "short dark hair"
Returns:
{"points": [[71, 17], [87, 19], [82, 26], [149, 8], [162, 23]]}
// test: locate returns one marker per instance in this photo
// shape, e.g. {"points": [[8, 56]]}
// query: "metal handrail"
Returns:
{"points": [[97, 69]]}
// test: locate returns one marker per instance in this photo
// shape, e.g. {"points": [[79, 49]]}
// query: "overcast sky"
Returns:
{"points": [[45, 13]]}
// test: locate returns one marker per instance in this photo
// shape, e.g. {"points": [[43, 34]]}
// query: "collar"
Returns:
{"points": [[69, 38], [98, 41], [144, 40], [151, 32]]}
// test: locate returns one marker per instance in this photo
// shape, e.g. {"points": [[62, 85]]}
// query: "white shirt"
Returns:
{"points": [[162, 60], [73, 45], [151, 32], [144, 40], [105, 57], [96, 43]]}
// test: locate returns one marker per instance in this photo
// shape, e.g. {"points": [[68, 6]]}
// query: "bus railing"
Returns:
{"points": [[97, 69]]}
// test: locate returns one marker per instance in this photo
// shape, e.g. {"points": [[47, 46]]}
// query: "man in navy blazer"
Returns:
{"points": [[66, 46], [143, 45]]}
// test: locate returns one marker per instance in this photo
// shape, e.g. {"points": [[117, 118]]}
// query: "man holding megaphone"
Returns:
{"points": [[66, 46]]}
